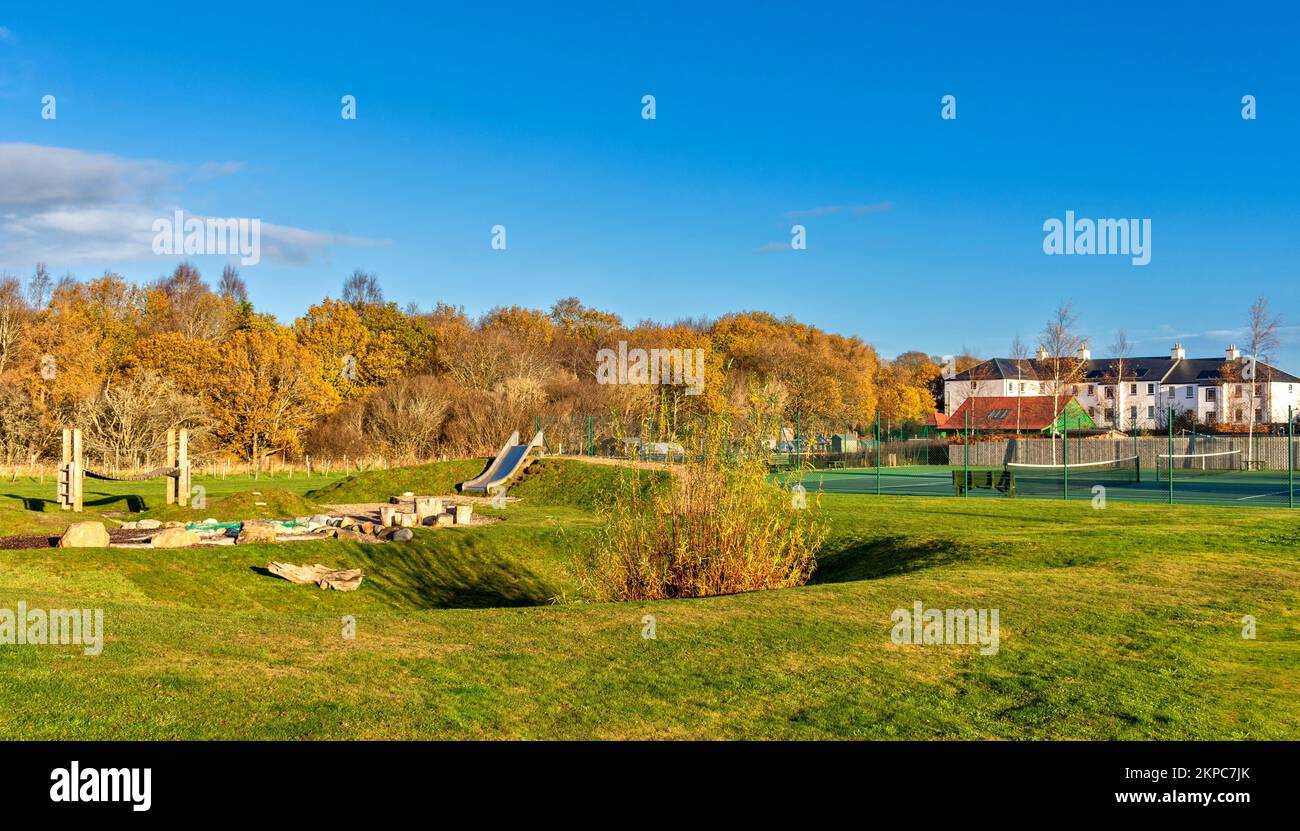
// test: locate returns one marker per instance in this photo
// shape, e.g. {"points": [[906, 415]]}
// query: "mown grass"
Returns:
{"points": [[1123, 623]]}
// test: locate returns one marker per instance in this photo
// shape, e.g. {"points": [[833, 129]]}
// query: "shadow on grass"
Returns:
{"points": [[886, 557], [419, 576], [134, 503]]}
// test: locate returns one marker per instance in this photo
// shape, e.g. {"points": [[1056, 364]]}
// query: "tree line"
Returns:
{"points": [[360, 375]]}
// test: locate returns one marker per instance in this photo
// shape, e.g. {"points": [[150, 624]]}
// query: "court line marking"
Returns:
{"points": [[1262, 495]]}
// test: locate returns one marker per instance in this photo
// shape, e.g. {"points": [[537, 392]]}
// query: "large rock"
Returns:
{"points": [[463, 513], [251, 533], [387, 513], [403, 535], [85, 535], [174, 538], [148, 524]]}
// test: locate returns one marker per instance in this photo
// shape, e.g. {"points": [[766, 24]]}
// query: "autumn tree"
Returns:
{"points": [[183, 303], [271, 393], [353, 360]]}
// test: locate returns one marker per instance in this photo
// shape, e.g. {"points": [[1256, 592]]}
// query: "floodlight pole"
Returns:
{"points": [[1290, 455]]}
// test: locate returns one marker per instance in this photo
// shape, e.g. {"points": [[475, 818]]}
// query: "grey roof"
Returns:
{"points": [[1156, 370], [1209, 370]]}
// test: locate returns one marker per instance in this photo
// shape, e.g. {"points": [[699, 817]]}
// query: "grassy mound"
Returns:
{"points": [[1115, 624], [560, 482], [579, 484], [434, 479], [257, 503]]}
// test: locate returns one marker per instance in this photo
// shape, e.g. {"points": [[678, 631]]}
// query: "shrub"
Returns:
{"points": [[715, 526]]}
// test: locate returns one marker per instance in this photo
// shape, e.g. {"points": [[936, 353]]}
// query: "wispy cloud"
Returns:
{"points": [[852, 210], [773, 247], [69, 206], [6, 36], [216, 170]]}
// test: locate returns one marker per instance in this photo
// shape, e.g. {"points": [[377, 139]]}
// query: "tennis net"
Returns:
{"points": [[1197, 464], [1052, 480]]}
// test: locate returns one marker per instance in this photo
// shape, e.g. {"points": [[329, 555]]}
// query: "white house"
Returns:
{"points": [[1139, 396]]}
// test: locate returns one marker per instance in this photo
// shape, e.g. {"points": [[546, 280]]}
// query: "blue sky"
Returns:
{"points": [[922, 233]]}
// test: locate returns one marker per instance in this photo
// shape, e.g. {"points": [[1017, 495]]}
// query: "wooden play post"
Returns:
{"points": [[183, 463], [172, 481], [70, 490], [72, 470], [178, 458]]}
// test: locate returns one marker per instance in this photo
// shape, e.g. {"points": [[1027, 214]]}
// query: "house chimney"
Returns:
{"points": [[1177, 353], [1234, 354], [1085, 354], [1042, 354]]}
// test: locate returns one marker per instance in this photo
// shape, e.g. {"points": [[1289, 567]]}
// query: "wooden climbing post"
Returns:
{"points": [[182, 478], [70, 472], [172, 481]]}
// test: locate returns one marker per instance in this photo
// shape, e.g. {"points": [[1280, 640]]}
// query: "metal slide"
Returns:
{"points": [[509, 461]]}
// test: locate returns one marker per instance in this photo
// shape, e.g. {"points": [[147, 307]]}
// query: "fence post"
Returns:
{"points": [[1065, 457], [877, 452], [965, 491], [1171, 455]]}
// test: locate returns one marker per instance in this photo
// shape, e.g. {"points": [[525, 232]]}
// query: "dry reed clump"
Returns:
{"points": [[715, 527]]}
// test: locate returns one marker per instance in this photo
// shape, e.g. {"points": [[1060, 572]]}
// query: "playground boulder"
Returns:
{"points": [[85, 535], [174, 538], [255, 532]]}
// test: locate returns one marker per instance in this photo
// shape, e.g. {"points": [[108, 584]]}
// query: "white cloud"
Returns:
{"points": [[69, 206]]}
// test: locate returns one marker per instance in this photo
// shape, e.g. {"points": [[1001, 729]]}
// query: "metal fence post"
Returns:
{"points": [[877, 452], [1171, 455]]}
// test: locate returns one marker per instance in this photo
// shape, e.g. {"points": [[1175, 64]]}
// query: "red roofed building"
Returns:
{"points": [[1006, 414]]}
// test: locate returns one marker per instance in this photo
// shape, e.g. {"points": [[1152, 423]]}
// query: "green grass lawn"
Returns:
{"points": [[1123, 623]]}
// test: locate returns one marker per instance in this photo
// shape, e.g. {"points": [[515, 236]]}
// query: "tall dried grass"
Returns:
{"points": [[717, 526]]}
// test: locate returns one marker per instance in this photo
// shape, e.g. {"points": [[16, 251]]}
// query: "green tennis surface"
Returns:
{"points": [[1238, 487]]}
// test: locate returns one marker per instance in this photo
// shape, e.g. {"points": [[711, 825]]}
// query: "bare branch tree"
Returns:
{"points": [[1121, 351], [362, 289], [232, 287], [1061, 342], [1263, 339], [1019, 354]]}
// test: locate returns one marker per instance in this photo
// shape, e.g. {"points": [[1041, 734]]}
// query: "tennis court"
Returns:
{"points": [[1205, 478]]}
